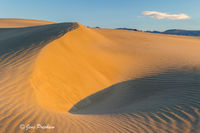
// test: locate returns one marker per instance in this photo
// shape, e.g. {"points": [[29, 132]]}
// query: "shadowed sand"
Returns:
{"points": [[82, 79], [148, 94]]}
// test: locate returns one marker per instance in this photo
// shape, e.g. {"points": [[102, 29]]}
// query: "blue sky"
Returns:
{"points": [[106, 13]]}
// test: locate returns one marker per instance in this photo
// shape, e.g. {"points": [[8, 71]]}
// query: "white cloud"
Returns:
{"points": [[161, 15]]}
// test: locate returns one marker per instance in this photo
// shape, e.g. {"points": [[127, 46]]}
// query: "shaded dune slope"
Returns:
{"points": [[82, 79], [156, 92]]}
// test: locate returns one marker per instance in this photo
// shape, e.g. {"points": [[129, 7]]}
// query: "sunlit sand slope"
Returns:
{"points": [[14, 23], [80, 79]]}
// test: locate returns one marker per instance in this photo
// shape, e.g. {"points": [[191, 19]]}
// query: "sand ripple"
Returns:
{"points": [[103, 86]]}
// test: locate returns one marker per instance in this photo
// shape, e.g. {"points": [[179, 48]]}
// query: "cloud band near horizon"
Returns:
{"points": [[162, 15]]}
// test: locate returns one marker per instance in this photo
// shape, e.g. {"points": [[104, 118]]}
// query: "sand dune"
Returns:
{"points": [[80, 79], [16, 23]]}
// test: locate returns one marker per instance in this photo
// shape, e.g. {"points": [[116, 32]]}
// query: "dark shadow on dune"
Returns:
{"points": [[15, 39], [153, 93]]}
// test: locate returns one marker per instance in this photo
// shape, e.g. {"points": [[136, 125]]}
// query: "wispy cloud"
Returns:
{"points": [[162, 15]]}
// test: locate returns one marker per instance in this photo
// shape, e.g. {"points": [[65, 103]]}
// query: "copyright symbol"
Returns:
{"points": [[22, 126]]}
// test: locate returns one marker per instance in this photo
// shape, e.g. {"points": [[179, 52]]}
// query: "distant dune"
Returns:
{"points": [[179, 32], [14, 23], [96, 80]]}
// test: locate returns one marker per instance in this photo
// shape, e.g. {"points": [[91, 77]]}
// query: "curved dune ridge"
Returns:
{"points": [[79, 79]]}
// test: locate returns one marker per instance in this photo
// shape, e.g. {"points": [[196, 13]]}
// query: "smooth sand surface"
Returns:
{"points": [[16, 23], [81, 79]]}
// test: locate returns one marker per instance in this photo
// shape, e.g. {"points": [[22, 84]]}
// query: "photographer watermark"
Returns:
{"points": [[37, 126]]}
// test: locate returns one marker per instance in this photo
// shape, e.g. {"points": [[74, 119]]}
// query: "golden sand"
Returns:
{"points": [[16, 23], [80, 79]]}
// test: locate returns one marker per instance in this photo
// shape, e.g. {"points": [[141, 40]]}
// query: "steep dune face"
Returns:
{"points": [[122, 81], [80, 64], [14, 23], [86, 61]]}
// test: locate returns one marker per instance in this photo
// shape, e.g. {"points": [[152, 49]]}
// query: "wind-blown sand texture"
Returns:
{"points": [[81, 79]]}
